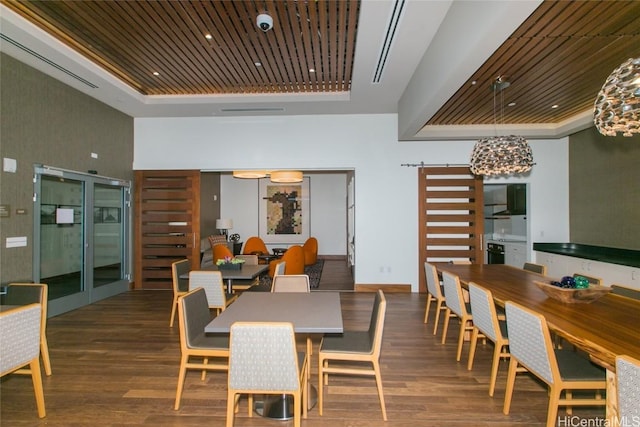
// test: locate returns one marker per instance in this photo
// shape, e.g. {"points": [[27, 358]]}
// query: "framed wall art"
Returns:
{"points": [[284, 212]]}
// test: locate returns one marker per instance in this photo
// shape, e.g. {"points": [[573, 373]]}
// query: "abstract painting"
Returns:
{"points": [[284, 212]]}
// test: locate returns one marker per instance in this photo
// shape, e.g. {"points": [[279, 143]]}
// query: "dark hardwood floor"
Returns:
{"points": [[115, 363]]}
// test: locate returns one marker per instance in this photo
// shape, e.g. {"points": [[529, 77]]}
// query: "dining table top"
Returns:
{"points": [[605, 328], [309, 312]]}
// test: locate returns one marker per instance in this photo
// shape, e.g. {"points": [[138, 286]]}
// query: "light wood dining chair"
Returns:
{"points": [[291, 283], [486, 322], [196, 347], [213, 285], [625, 291], [354, 353], [263, 359], [20, 346], [561, 370], [535, 268], [628, 387], [456, 307], [434, 293], [30, 293], [243, 285], [180, 286]]}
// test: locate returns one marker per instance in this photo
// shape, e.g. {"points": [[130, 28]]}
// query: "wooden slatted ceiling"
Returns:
{"points": [[134, 39], [561, 54], [451, 216], [167, 210]]}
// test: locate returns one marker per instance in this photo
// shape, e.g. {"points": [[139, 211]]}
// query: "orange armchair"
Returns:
{"points": [[294, 257], [253, 245], [310, 248], [221, 252]]}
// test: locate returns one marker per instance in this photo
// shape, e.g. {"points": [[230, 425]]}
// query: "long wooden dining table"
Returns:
{"points": [[605, 328]]}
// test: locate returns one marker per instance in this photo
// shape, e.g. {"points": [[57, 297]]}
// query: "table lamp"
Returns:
{"points": [[224, 225]]}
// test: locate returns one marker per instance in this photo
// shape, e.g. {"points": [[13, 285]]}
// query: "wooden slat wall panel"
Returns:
{"points": [[162, 198], [451, 216]]}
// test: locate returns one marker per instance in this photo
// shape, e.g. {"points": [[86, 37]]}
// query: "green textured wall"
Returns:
{"points": [[604, 189], [43, 121]]}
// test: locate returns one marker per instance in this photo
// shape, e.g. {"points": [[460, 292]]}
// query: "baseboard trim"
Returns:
{"points": [[358, 287], [333, 257]]}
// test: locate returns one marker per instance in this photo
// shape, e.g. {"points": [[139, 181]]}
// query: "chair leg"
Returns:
{"points": [[297, 404], [376, 369], [181, 375], [552, 411], [447, 316], [511, 379], [44, 349], [426, 310], [231, 407], [497, 352], [173, 311], [36, 378], [438, 310], [320, 386], [463, 328], [472, 348]]}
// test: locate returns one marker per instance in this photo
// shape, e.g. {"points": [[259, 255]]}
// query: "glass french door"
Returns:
{"points": [[80, 237]]}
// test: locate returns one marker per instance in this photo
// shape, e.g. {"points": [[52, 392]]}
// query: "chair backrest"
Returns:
{"points": [[221, 252], [248, 259], [310, 248], [291, 283], [211, 282], [29, 293], [628, 378], [179, 268], [193, 316], [294, 257], [255, 245], [530, 342], [433, 283], [625, 291], [453, 294], [376, 324], [280, 268], [20, 337], [263, 356], [536, 268], [485, 316], [592, 280]]}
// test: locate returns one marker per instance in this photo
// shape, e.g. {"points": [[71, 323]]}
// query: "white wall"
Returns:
{"points": [[385, 191], [239, 200]]}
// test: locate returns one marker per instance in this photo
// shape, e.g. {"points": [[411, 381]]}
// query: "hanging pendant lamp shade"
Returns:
{"points": [[286, 176], [617, 107], [501, 155], [249, 174]]}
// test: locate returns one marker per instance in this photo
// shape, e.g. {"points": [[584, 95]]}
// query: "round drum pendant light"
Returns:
{"points": [[286, 176]]}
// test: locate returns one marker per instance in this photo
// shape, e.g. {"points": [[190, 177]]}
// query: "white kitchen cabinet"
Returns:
{"points": [[561, 265], [515, 254]]}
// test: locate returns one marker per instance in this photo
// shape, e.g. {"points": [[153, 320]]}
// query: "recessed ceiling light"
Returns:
{"points": [[312, 70], [155, 73], [208, 36], [258, 64], [555, 106], [473, 83], [511, 104]]}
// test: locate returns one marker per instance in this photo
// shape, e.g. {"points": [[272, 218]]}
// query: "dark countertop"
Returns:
{"points": [[618, 256]]}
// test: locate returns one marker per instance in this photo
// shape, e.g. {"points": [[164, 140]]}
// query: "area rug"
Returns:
{"points": [[313, 271]]}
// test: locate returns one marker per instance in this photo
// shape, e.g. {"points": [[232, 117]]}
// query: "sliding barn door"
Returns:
{"points": [[451, 216], [167, 224]]}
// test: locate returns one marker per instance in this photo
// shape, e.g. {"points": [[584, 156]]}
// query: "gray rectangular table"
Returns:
{"points": [[246, 272], [310, 313]]}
